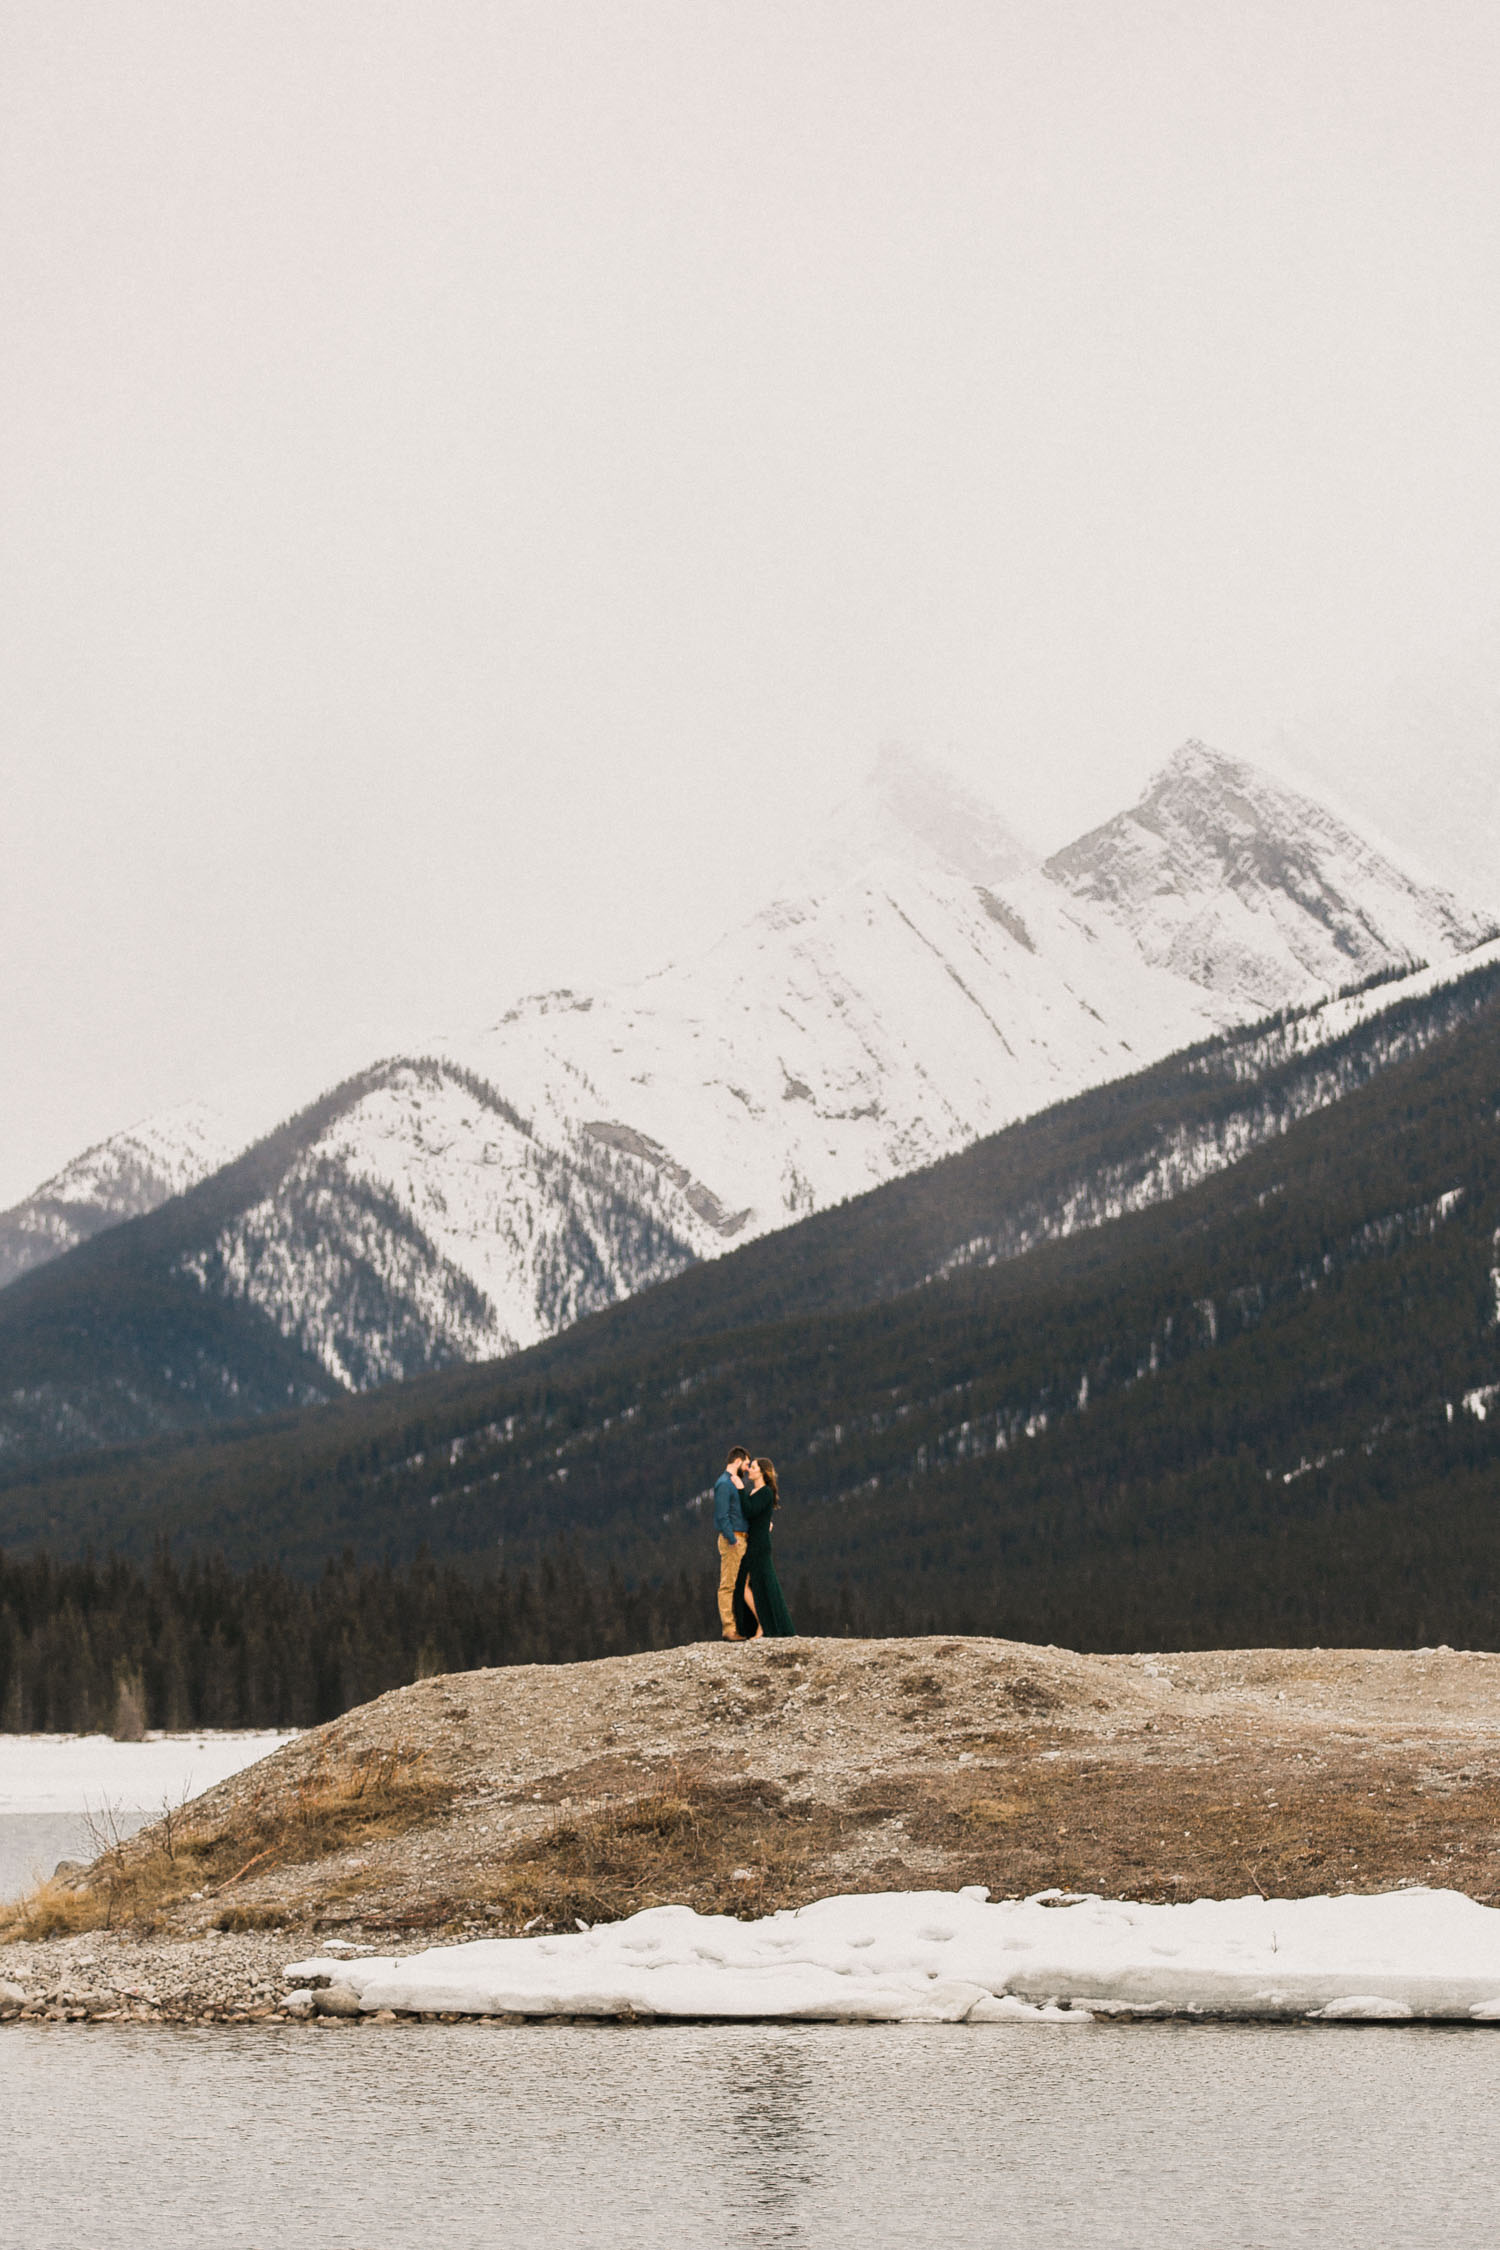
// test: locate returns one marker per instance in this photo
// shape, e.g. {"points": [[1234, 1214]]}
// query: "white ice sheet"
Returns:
{"points": [[941, 1957], [62, 1773]]}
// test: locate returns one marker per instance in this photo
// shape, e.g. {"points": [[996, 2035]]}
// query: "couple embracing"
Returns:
{"points": [[751, 1604]]}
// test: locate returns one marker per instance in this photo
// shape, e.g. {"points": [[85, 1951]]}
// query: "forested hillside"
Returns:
{"points": [[1261, 1411]]}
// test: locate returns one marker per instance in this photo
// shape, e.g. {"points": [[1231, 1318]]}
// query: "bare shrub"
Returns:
{"points": [[251, 1918], [1025, 1692]]}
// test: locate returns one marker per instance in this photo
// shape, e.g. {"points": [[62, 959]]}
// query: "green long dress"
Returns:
{"points": [[760, 1570]]}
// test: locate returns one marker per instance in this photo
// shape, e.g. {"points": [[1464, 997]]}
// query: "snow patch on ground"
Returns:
{"points": [[943, 1957]]}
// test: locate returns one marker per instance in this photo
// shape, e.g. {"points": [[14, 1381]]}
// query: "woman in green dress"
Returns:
{"points": [[760, 1610]]}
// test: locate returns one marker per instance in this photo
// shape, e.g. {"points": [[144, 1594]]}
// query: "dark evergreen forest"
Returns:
{"points": [[198, 1644]]}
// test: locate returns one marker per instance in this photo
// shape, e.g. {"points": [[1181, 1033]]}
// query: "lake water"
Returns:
{"points": [[31, 1844], [713, 2137]]}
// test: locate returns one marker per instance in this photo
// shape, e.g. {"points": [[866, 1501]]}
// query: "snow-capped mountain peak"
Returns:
{"points": [[119, 1178], [1242, 885]]}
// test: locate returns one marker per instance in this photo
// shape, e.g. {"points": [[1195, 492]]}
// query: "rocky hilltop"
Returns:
{"points": [[746, 1779]]}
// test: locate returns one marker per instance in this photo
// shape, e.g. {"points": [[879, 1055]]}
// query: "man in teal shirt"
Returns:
{"points": [[729, 1523]]}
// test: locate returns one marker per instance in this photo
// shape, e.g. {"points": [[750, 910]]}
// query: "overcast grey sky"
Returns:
{"points": [[473, 471]]}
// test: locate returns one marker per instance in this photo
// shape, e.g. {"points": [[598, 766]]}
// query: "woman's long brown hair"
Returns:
{"points": [[768, 1471]]}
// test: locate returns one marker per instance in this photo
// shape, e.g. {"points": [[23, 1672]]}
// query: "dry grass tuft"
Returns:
{"points": [[738, 1848], [134, 1884], [252, 1918], [1257, 1818], [52, 1909]]}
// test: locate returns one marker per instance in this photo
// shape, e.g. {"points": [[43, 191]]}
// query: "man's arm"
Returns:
{"points": [[725, 1491]]}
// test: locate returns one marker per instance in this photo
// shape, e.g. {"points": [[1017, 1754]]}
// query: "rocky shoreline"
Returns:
{"points": [[225, 1979], [98, 1978]]}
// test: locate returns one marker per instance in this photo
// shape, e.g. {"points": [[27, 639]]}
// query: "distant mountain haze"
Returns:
{"points": [[1423, 754], [921, 982]]}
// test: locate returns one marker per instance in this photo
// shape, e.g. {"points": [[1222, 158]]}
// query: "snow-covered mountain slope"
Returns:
{"points": [[905, 1005], [847, 1035], [920, 983], [1181, 1152], [1255, 892], [425, 1220], [132, 1172]]}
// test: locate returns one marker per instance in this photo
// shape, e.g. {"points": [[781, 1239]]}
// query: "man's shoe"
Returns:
{"points": [[732, 1636]]}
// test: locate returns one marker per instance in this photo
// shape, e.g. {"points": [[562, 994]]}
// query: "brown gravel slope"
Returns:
{"points": [[744, 1778]]}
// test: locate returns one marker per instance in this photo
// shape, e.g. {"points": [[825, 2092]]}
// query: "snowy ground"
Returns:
{"points": [[944, 1957], [60, 1773], [56, 1789]]}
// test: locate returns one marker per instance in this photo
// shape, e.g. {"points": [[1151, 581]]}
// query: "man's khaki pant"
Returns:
{"points": [[730, 1551]]}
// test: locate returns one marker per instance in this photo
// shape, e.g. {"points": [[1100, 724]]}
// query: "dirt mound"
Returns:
{"points": [[746, 1778]]}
